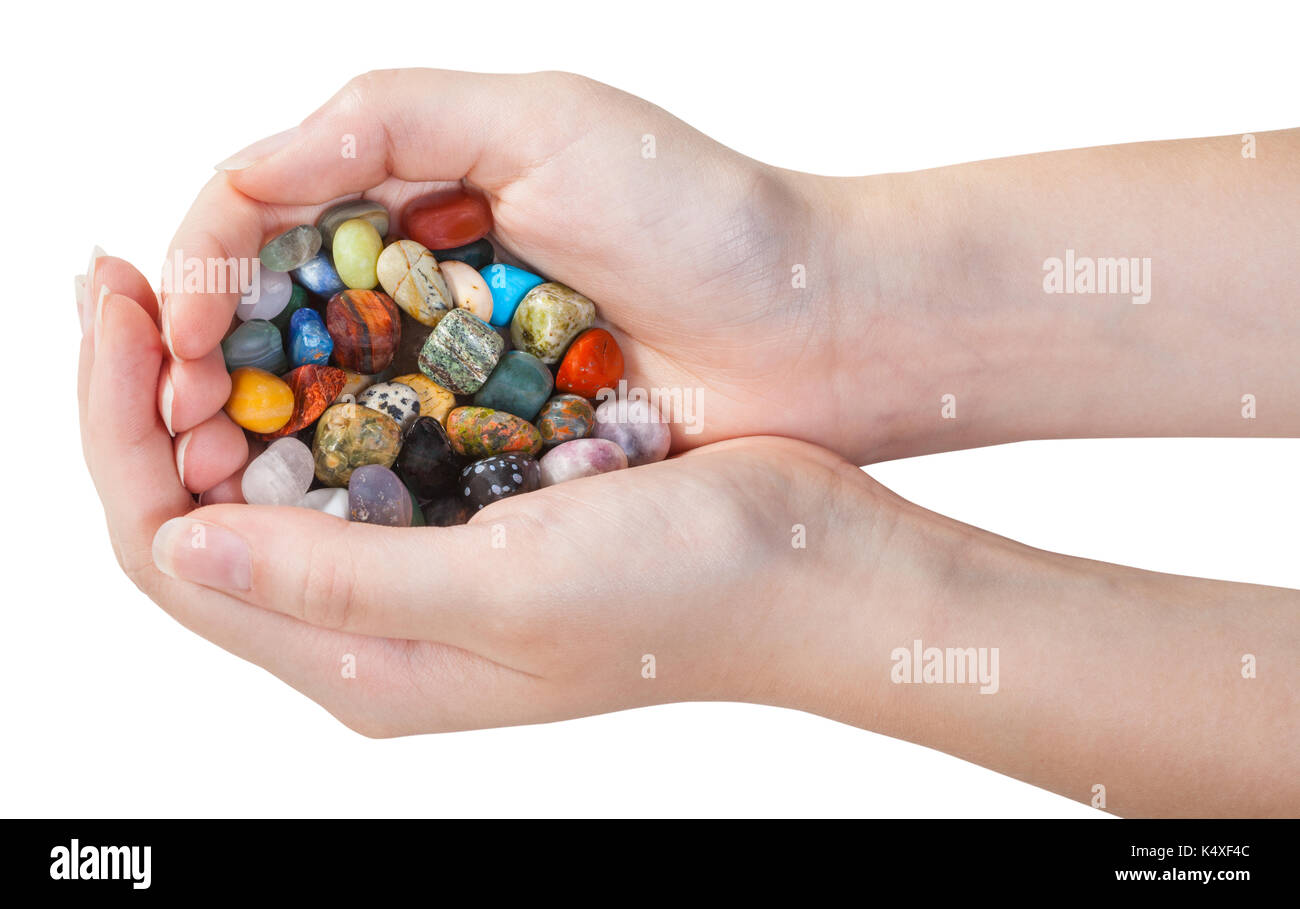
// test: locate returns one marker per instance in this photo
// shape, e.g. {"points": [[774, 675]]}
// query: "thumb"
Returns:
{"points": [[454, 585], [418, 125]]}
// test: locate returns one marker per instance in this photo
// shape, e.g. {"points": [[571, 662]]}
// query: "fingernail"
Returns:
{"points": [[166, 318], [203, 553], [165, 399], [79, 289], [95, 255], [182, 443], [263, 148], [99, 312]]}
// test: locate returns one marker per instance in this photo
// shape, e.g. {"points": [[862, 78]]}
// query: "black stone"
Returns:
{"points": [[478, 254], [499, 477], [427, 462]]}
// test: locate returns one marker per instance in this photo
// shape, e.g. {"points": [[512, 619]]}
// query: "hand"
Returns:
{"points": [[688, 255], [541, 608]]}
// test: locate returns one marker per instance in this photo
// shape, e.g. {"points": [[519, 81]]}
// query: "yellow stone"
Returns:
{"points": [[435, 401], [357, 246], [259, 401]]}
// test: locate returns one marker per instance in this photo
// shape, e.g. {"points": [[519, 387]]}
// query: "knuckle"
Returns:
{"points": [[329, 590]]}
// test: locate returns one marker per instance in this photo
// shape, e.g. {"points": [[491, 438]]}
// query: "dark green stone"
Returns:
{"points": [[520, 385]]}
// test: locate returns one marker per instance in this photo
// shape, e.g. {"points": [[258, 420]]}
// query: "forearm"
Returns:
{"points": [[948, 283], [1179, 696]]}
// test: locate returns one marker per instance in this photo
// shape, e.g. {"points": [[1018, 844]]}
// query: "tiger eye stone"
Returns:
{"points": [[447, 219], [480, 432], [314, 388], [366, 327], [349, 436], [410, 275], [259, 402], [356, 250], [461, 352], [548, 318], [435, 401]]}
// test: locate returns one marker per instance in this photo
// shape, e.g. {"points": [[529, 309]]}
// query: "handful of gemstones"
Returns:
{"points": [[461, 382]]}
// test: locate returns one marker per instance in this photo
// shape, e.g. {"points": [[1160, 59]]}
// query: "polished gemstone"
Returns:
{"points": [[364, 209], [427, 462], [255, 343], [395, 399], [491, 479], [435, 401], [468, 289], [349, 436], [580, 458], [461, 352], [410, 275], [548, 318], [356, 250], [292, 249], [508, 285], [476, 255], [267, 297], [593, 361], [329, 500], [447, 219], [447, 510], [479, 432], [636, 427], [520, 385], [297, 300], [280, 475], [366, 328], [565, 418], [309, 341], [314, 388], [319, 276], [259, 402], [377, 496]]}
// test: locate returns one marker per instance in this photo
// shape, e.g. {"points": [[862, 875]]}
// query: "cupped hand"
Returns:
{"points": [[685, 579], [693, 253]]}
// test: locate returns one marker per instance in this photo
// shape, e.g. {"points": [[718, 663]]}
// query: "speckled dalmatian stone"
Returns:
{"points": [[492, 479], [401, 402]]}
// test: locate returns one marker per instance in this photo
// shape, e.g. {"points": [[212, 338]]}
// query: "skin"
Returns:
{"points": [[1111, 676]]}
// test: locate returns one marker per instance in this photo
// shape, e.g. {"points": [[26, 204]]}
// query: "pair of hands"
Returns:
{"points": [[545, 606]]}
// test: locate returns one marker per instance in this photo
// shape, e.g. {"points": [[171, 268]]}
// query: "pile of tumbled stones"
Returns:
{"points": [[428, 400]]}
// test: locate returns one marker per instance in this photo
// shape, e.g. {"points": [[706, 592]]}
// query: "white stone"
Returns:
{"points": [[330, 501], [281, 475]]}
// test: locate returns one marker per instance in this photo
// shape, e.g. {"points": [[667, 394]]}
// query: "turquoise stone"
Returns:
{"points": [[297, 300], [319, 276], [255, 343], [508, 285], [309, 341], [520, 385]]}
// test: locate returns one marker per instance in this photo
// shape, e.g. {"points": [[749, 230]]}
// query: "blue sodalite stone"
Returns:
{"points": [[309, 340], [508, 285], [319, 276]]}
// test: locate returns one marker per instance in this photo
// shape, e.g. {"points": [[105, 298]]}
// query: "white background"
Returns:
{"points": [[113, 120]]}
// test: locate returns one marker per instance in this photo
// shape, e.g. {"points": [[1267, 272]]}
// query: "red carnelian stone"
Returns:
{"points": [[592, 363], [447, 219], [314, 388]]}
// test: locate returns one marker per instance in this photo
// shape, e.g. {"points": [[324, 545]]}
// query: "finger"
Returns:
{"points": [[120, 277], [445, 584], [210, 452], [418, 125], [192, 391]]}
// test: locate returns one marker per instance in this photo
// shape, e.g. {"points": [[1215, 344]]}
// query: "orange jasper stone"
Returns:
{"points": [[594, 361]]}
